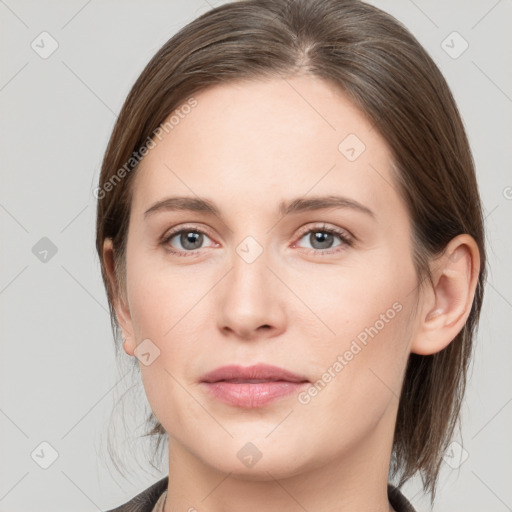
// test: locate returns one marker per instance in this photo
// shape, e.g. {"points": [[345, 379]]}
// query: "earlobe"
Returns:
{"points": [[121, 308], [443, 315], [128, 347]]}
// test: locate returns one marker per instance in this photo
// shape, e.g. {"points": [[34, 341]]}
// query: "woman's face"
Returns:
{"points": [[272, 277]]}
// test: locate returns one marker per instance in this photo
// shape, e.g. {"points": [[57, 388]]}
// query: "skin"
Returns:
{"points": [[246, 147]]}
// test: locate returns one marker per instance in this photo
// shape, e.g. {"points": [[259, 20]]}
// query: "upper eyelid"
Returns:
{"points": [[303, 229], [326, 227], [175, 231]]}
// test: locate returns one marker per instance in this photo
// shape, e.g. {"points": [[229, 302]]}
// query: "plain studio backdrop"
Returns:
{"points": [[66, 69]]}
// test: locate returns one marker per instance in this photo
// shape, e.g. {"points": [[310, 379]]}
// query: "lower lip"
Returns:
{"points": [[252, 395]]}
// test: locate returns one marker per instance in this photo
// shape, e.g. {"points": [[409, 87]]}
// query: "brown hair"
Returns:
{"points": [[384, 70]]}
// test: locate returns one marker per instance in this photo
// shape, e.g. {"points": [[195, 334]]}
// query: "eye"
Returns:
{"points": [[323, 237], [189, 241]]}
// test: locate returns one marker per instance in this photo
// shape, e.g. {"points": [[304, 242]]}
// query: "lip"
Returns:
{"points": [[264, 372], [252, 386]]}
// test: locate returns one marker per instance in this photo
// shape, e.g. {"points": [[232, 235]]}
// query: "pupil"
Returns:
{"points": [[325, 239], [190, 240]]}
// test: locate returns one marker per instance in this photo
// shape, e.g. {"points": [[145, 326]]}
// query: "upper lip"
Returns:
{"points": [[262, 372]]}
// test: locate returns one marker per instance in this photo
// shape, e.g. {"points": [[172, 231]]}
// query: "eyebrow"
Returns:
{"points": [[302, 204]]}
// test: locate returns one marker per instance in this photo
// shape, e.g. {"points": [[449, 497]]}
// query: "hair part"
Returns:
{"points": [[372, 58]]}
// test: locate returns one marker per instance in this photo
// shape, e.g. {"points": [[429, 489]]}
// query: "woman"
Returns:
{"points": [[291, 240]]}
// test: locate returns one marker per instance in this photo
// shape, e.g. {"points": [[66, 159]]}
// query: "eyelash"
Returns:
{"points": [[346, 240]]}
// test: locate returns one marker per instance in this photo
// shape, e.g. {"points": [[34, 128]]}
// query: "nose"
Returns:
{"points": [[251, 300]]}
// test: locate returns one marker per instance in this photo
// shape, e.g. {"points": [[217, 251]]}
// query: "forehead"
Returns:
{"points": [[252, 139]]}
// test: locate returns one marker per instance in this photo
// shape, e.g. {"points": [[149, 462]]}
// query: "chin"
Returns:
{"points": [[256, 461]]}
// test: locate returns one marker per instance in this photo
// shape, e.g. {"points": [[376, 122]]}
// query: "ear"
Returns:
{"points": [[446, 307], [120, 303]]}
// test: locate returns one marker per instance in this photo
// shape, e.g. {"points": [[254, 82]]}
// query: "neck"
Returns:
{"points": [[352, 481]]}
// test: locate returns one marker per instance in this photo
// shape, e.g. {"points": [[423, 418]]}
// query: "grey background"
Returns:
{"points": [[59, 380]]}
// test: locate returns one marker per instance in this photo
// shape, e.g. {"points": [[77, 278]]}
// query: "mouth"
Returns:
{"points": [[251, 387], [250, 381], [252, 374]]}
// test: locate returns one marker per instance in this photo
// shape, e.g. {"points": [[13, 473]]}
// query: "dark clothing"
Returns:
{"points": [[146, 500]]}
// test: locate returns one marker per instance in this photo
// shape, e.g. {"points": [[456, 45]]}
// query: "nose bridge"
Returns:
{"points": [[250, 296], [250, 274]]}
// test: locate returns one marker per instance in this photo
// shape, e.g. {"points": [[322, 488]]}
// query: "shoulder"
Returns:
{"points": [[146, 500], [398, 501]]}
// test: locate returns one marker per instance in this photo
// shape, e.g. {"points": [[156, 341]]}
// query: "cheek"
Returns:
{"points": [[358, 299], [162, 295], [166, 309], [359, 374], [361, 358], [171, 307]]}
